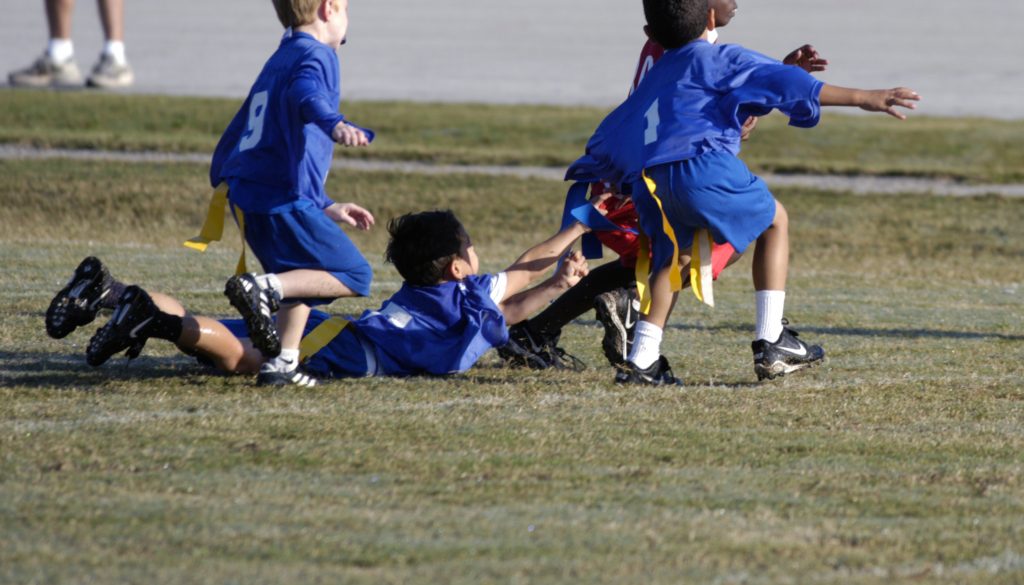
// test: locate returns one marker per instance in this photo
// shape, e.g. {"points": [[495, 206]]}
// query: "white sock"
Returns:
{"points": [[646, 344], [60, 50], [286, 362], [115, 50], [770, 306], [272, 283]]}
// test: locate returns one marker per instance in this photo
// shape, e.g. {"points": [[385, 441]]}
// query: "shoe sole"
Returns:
{"points": [[780, 368], [262, 331], [616, 337], [62, 316]]}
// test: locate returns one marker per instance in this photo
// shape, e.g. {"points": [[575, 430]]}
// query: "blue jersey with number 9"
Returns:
{"points": [[278, 147]]}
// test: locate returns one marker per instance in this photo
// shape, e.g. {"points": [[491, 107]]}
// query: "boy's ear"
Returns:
{"points": [[647, 31], [711, 19], [455, 269]]}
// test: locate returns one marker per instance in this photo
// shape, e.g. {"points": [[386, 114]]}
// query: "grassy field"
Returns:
{"points": [[897, 461], [975, 150]]}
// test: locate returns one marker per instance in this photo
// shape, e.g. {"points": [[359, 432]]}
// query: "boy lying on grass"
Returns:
{"points": [[441, 321]]}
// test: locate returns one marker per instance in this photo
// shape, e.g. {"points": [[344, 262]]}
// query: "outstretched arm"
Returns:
{"points": [[871, 100], [521, 305], [539, 259]]}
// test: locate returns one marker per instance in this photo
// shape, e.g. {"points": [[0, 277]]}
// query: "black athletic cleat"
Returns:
{"points": [[294, 377], [618, 311], [256, 305], [79, 301], [657, 374], [788, 354], [529, 350], [127, 329]]}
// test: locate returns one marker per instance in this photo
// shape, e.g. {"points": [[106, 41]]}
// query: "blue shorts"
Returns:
{"points": [[715, 191], [344, 357], [300, 235]]}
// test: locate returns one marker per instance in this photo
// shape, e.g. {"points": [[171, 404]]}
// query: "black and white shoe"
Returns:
{"points": [[79, 301], [256, 306], [618, 311], [526, 349], [657, 374], [128, 328], [787, 354], [296, 377]]}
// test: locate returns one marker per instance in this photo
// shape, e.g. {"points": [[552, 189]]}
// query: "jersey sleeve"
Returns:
{"points": [[498, 286], [307, 93], [761, 84]]}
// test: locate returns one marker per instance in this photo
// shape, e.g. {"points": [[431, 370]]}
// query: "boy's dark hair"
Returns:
{"points": [[673, 23], [423, 244]]}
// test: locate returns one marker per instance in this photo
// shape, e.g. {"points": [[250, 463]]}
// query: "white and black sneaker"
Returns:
{"points": [[618, 311], [79, 301], [128, 328], [657, 374], [787, 354], [256, 306], [269, 376]]}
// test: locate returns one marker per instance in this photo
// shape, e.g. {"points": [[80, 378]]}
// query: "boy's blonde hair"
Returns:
{"points": [[293, 13]]}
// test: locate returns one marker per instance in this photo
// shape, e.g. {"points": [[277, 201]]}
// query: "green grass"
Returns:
{"points": [[897, 461], [976, 150]]}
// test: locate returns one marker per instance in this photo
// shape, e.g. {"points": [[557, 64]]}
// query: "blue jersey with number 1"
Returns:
{"points": [[695, 100], [278, 148]]}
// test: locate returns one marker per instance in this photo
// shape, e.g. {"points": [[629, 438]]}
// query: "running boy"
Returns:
{"points": [[610, 288], [274, 157], [675, 141], [441, 321]]}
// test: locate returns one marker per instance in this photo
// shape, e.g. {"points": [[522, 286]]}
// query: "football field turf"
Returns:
{"points": [[898, 460]]}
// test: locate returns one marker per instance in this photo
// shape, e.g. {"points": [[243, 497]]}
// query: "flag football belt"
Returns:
{"points": [[701, 272], [320, 336], [213, 226]]}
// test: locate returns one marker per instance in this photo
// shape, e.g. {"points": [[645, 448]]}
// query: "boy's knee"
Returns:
{"points": [[781, 216]]}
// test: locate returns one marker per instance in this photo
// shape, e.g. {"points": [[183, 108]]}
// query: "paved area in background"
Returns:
{"points": [[964, 58], [859, 185]]}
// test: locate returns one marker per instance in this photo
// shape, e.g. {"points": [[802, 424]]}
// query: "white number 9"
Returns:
{"points": [[257, 113]]}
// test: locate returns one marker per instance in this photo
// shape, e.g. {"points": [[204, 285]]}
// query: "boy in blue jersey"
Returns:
{"points": [[675, 141], [274, 158], [441, 321]]}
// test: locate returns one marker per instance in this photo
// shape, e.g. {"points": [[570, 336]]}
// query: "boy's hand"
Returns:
{"points": [[574, 267], [806, 58], [348, 135], [748, 127], [886, 100], [351, 214]]}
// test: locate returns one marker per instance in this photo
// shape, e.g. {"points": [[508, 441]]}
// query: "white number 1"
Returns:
{"points": [[257, 113], [651, 132]]}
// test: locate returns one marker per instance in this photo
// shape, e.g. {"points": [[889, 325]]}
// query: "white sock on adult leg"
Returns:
{"points": [[770, 305], [60, 50], [646, 344], [115, 49]]}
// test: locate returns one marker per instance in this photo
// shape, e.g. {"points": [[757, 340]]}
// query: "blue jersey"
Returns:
{"points": [[278, 147], [439, 329], [695, 99]]}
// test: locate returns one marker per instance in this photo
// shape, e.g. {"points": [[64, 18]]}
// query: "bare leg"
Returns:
{"points": [[771, 256], [58, 17], [112, 17], [305, 283], [663, 299], [211, 338], [291, 323]]}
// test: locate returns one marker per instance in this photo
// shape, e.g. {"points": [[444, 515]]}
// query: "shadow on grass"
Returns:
{"points": [[906, 333], [71, 372]]}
